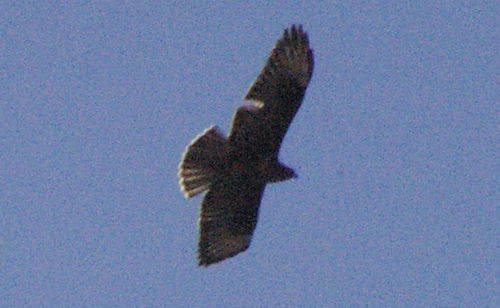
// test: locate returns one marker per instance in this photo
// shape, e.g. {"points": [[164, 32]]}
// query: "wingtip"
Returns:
{"points": [[224, 248], [290, 55]]}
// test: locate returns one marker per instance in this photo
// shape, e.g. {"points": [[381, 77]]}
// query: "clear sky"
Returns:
{"points": [[396, 145]]}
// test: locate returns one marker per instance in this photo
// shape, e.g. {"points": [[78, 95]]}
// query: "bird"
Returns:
{"points": [[233, 171]]}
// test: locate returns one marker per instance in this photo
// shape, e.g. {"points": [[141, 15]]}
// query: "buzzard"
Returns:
{"points": [[234, 170]]}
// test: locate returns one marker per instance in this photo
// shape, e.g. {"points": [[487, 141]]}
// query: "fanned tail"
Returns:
{"points": [[202, 161]]}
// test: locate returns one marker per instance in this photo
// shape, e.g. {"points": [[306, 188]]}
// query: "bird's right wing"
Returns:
{"points": [[287, 71], [278, 91]]}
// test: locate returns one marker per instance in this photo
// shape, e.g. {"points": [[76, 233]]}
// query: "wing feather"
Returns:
{"points": [[227, 219], [290, 64], [277, 94]]}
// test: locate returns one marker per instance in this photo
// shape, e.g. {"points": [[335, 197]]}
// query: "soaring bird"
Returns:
{"points": [[234, 170]]}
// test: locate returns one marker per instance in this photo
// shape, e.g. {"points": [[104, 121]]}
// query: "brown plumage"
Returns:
{"points": [[235, 170]]}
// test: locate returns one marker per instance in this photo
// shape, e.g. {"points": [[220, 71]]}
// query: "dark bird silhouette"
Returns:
{"points": [[235, 170]]}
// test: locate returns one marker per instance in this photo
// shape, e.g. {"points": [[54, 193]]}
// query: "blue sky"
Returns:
{"points": [[397, 149]]}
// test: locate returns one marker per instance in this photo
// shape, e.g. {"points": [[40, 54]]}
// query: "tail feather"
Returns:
{"points": [[202, 161]]}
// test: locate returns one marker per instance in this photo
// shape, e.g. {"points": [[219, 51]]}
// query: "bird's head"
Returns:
{"points": [[277, 172]]}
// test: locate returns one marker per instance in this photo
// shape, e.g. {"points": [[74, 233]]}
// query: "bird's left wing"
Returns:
{"points": [[227, 218]]}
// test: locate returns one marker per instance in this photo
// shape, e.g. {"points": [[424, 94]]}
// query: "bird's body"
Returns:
{"points": [[235, 170]]}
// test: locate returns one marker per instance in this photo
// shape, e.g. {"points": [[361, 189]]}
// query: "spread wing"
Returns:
{"points": [[227, 219], [278, 91], [288, 69]]}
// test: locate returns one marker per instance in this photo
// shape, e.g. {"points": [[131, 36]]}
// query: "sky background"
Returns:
{"points": [[396, 145]]}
